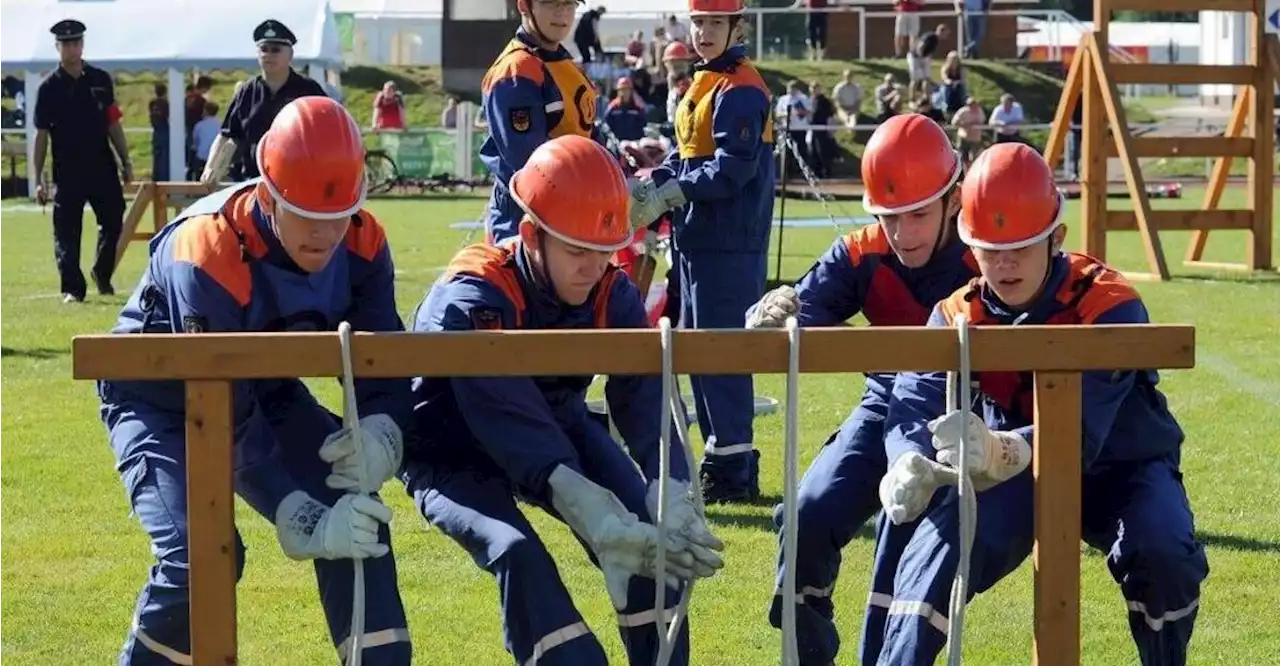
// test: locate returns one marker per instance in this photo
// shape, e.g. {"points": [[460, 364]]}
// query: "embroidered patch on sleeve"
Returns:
{"points": [[521, 119], [195, 324], [486, 319]]}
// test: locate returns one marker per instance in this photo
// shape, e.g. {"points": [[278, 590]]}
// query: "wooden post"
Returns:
{"points": [[1056, 555], [1093, 163], [1261, 167], [1074, 83], [211, 537], [1221, 171]]}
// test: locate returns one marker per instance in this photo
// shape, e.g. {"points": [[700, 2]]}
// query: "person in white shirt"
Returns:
{"points": [[795, 106], [202, 136], [848, 98], [676, 31], [1007, 118]]}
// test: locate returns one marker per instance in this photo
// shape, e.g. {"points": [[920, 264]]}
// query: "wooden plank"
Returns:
{"points": [[187, 188], [1189, 146], [1167, 74], [1182, 5], [532, 353], [1221, 266], [1071, 88], [1221, 170], [1165, 220], [1262, 167], [1132, 173], [1056, 554], [211, 539], [132, 217], [159, 209], [1093, 164]]}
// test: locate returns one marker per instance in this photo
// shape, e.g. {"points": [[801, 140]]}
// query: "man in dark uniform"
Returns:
{"points": [[256, 104], [76, 105]]}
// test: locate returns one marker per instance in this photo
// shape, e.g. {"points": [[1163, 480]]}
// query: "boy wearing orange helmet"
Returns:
{"points": [[721, 180], [533, 92], [481, 443], [1135, 508], [626, 114], [292, 250], [892, 272]]}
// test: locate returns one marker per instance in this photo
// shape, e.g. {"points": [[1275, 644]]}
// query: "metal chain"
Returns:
{"points": [[814, 184]]}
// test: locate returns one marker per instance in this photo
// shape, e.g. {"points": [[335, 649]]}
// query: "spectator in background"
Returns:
{"points": [[925, 107], [642, 80], [193, 110], [885, 93], [635, 51], [822, 145], [1072, 166], [449, 114], [1007, 118], [658, 46], [625, 115], [954, 91], [676, 31], [817, 29], [906, 25], [158, 111], [918, 60], [975, 23], [388, 108], [587, 35], [968, 123], [202, 136], [848, 97], [677, 84], [795, 108]]}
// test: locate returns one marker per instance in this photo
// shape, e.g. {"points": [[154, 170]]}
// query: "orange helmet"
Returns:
{"points": [[312, 159], [676, 51], [908, 164], [623, 82], [574, 189], [1009, 199], [716, 7]]}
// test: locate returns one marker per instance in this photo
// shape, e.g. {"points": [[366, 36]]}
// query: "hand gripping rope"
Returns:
{"points": [[351, 421], [790, 503], [671, 407], [959, 397]]}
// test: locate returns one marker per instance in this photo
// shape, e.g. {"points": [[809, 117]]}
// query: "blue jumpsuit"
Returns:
{"points": [[218, 267], [626, 121], [481, 444], [858, 273], [531, 95], [724, 164], [1135, 508]]}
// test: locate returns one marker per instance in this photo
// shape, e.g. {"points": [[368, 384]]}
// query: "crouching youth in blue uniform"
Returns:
{"points": [[293, 251], [893, 273], [1135, 508], [482, 443]]}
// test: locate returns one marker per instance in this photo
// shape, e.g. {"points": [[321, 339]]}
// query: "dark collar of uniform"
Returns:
{"points": [[539, 296], [725, 62], [292, 81], [1045, 305], [276, 254], [62, 73], [560, 53]]}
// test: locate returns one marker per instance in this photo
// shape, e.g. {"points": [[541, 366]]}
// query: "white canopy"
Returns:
{"points": [[164, 34]]}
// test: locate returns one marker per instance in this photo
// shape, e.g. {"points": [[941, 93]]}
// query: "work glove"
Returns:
{"points": [[649, 201], [309, 530], [220, 155], [994, 457], [380, 452], [774, 308], [912, 479], [686, 527], [623, 546]]}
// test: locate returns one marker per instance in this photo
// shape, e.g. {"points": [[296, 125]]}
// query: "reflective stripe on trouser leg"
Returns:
{"points": [[638, 627], [836, 496]]}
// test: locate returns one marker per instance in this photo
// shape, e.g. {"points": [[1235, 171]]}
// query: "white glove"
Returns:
{"points": [[381, 449], [687, 526], [905, 490], [310, 530], [774, 308], [220, 154], [994, 457], [649, 202], [623, 546]]}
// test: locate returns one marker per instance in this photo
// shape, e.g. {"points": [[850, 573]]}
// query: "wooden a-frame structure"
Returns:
{"points": [[1105, 133]]}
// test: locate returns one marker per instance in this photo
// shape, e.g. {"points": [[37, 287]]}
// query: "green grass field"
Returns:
{"points": [[75, 559]]}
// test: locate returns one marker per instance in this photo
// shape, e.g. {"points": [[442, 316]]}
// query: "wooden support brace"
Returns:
{"points": [[1262, 167], [1056, 554], [146, 191], [1221, 170], [1071, 88]]}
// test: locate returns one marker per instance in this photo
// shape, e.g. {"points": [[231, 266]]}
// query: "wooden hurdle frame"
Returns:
{"points": [[209, 362], [1094, 77], [160, 198]]}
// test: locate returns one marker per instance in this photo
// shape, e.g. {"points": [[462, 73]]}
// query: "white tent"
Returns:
{"points": [[172, 35]]}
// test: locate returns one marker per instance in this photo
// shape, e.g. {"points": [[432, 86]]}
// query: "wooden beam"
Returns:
{"points": [[1071, 88], [1221, 170], [1055, 464], [132, 217], [1093, 161], [185, 188], [1166, 220], [626, 351], [1189, 146], [211, 535], [1166, 74], [1132, 173], [1182, 5], [1262, 167]]}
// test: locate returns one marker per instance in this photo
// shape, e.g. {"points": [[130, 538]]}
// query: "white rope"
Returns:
{"points": [[682, 429], [664, 470], [959, 397], [790, 506], [351, 421]]}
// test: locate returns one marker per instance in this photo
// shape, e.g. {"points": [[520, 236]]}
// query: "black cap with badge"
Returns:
{"points": [[272, 31], [67, 30]]}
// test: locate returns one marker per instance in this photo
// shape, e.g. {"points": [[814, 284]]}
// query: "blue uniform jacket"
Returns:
{"points": [[860, 273], [724, 159], [531, 95], [626, 121], [218, 267], [529, 425], [1126, 418]]}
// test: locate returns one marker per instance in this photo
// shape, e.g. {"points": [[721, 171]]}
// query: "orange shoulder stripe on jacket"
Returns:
{"points": [[603, 292], [366, 239], [514, 64], [865, 242], [490, 264], [210, 244], [746, 76], [239, 212], [1108, 289]]}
